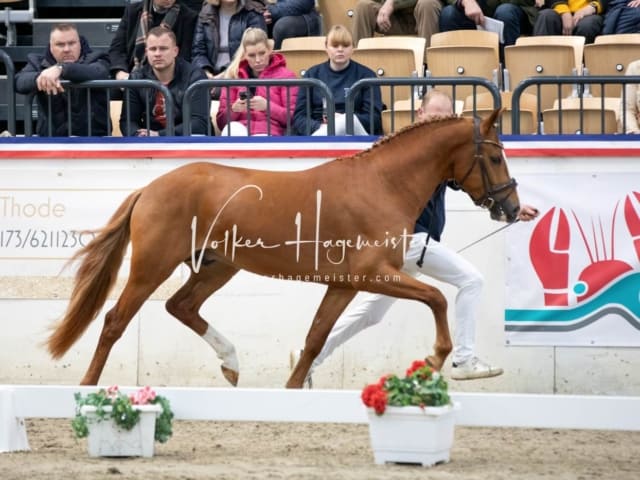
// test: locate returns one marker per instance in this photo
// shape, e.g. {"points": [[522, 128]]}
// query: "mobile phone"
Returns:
{"points": [[243, 95]]}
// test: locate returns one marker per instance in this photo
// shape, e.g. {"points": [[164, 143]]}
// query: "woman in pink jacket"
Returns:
{"points": [[257, 110]]}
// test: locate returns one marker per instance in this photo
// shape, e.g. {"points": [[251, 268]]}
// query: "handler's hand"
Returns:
{"points": [[527, 213]]}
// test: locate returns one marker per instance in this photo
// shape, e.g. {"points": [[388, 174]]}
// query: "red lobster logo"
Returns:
{"points": [[549, 253]]}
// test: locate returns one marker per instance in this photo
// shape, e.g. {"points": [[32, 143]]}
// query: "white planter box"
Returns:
{"points": [[107, 440], [412, 434]]}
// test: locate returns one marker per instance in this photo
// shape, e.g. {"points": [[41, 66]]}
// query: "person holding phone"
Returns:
{"points": [[256, 110]]}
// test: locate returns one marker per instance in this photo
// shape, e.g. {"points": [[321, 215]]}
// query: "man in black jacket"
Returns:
{"points": [[126, 52], [164, 66], [68, 57]]}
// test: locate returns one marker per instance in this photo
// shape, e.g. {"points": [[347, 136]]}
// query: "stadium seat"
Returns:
{"points": [[595, 118], [464, 53], [611, 58], [336, 13], [388, 63], [298, 61], [304, 43], [417, 44], [528, 61], [115, 108], [484, 105], [401, 116], [574, 41]]}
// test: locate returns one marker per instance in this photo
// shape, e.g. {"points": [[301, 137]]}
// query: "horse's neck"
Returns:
{"points": [[415, 163]]}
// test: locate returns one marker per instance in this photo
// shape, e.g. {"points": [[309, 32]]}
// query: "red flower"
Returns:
{"points": [[416, 365]]}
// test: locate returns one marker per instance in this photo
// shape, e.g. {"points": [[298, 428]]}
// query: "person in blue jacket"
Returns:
{"points": [[339, 73], [292, 18]]}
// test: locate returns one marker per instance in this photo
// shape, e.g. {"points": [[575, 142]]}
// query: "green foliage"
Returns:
{"points": [[122, 411]]}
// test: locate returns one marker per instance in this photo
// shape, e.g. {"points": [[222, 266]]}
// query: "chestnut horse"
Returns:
{"points": [[345, 223]]}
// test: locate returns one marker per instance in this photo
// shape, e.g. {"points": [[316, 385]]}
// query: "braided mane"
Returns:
{"points": [[385, 139]]}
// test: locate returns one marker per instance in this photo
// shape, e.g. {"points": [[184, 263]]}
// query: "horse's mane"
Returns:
{"points": [[387, 138]]}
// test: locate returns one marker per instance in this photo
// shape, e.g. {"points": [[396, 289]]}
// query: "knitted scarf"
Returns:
{"points": [[146, 18]]}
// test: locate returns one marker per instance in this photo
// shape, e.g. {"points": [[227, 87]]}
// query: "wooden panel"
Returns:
{"points": [[417, 44], [304, 43], [592, 121]]}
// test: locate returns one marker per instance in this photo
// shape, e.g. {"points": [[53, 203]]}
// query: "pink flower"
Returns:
{"points": [[112, 391], [143, 396]]}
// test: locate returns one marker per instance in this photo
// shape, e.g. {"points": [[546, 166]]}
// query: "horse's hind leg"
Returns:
{"points": [[333, 304], [185, 305], [116, 320]]}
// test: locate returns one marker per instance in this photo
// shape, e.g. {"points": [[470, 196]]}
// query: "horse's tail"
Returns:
{"points": [[95, 277]]}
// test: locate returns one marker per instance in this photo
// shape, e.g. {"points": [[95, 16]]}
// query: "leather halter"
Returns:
{"points": [[488, 200]]}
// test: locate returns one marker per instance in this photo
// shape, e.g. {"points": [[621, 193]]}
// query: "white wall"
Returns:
{"points": [[266, 319]]}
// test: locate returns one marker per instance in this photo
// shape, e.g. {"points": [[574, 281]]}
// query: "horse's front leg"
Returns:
{"points": [[402, 285], [333, 304]]}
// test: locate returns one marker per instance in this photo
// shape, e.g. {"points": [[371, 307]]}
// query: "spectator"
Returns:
{"points": [[291, 18], [219, 30], [439, 262], [396, 17], [570, 17], [164, 66], [68, 57], [464, 15], [518, 16], [629, 118], [623, 16], [128, 45], [338, 73], [264, 110]]}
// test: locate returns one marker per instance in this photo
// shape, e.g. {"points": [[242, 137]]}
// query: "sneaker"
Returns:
{"points": [[294, 356], [474, 368]]}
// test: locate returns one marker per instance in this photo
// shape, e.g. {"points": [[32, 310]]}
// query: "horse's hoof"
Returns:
{"points": [[431, 361], [230, 375]]}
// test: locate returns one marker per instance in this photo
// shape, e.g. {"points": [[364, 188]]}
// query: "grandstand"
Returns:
{"points": [[26, 24]]}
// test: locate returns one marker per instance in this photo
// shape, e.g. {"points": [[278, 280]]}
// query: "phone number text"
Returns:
{"points": [[40, 238]]}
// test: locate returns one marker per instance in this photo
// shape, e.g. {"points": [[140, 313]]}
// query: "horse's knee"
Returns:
{"points": [[438, 302], [112, 329], [175, 307]]}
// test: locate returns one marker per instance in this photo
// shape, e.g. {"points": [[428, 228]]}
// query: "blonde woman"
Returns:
{"points": [[244, 107], [630, 110]]}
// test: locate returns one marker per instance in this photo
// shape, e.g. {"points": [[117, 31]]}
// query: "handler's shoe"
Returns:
{"points": [[474, 368], [294, 356]]}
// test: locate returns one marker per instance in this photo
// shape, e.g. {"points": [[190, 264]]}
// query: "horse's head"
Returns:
{"points": [[486, 178]]}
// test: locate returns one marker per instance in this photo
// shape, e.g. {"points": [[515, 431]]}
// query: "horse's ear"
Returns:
{"points": [[491, 120]]}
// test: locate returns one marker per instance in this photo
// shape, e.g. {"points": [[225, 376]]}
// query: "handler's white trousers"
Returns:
{"points": [[440, 263]]}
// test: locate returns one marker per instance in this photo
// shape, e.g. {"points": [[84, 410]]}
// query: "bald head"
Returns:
{"points": [[435, 104]]}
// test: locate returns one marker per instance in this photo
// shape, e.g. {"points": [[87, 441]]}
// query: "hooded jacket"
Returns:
{"points": [[89, 66], [273, 122]]}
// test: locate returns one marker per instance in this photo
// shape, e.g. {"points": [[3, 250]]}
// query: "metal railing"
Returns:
{"points": [[107, 85], [227, 84], [421, 82], [11, 92], [584, 87]]}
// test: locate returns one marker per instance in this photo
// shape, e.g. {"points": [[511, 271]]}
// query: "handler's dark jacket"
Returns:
{"points": [[432, 218], [90, 66]]}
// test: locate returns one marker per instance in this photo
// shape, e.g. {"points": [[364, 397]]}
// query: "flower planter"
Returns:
{"points": [[412, 434], [107, 440]]}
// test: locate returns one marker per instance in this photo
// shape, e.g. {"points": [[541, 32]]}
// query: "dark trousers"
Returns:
{"points": [[550, 23]]}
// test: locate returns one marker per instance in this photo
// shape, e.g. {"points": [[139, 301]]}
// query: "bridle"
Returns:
{"points": [[488, 200]]}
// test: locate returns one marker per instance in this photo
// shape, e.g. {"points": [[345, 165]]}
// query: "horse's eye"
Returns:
{"points": [[496, 159]]}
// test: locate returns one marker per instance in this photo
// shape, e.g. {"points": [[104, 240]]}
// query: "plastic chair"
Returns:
{"points": [[417, 44], [595, 118]]}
